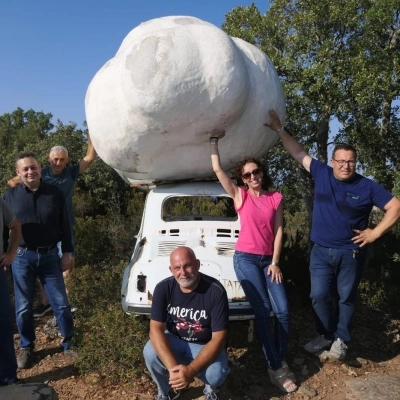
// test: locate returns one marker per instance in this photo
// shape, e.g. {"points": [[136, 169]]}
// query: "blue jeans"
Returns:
{"points": [[8, 363], [264, 295], [335, 271], [26, 267], [185, 352]]}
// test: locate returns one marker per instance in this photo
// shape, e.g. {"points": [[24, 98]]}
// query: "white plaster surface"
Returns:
{"points": [[173, 82]]}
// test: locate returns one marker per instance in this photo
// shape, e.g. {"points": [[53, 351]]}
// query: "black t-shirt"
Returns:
{"points": [[191, 316]]}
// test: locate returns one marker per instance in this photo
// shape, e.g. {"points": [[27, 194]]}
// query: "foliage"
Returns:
{"points": [[104, 238], [93, 246], [337, 61], [294, 257], [109, 342], [380, 295], [112, 345], [101, 184]]}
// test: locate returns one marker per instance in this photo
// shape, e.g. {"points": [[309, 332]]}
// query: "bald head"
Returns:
{"points": [[180, 251], [185, 268]]}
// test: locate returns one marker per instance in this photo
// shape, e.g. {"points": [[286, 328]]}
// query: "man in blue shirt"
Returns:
{"points": [[65, 177], [343, 201], [188, 328], [42, 211], [8, 363]]}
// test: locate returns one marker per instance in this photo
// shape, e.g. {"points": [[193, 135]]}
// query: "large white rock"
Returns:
{"points": [[173, 82]]}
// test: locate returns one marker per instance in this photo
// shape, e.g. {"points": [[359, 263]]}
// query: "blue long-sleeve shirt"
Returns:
{"points": [[43, 216]]}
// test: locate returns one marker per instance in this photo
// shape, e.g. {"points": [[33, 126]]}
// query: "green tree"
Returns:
{"points": [[20, 131], [326, 54]]}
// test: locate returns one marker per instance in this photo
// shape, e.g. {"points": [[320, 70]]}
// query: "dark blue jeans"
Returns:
{"points": [[26, 267], [8, 363], [335, 271], [264, 295]]}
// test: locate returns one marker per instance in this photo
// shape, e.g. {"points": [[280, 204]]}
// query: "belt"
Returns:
{"points": [[41, 249]]}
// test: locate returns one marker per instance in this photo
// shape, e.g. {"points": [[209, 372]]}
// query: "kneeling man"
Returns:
{"points": [[188, 329]]}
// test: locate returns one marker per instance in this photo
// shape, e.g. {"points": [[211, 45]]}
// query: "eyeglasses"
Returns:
{"points": [[343, 162], [255, 172]]}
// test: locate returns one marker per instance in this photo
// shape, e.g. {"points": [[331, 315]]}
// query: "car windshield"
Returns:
{"points": [[198, 208]]}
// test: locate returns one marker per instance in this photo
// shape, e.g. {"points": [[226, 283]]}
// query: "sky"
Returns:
{"points": [[50, 50]]}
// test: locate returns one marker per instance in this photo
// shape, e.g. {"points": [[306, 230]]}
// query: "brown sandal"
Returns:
{"points": [[280, 379], [289, 373]]}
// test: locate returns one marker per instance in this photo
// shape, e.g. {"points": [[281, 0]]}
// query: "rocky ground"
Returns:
{"points": [[374, 350]]}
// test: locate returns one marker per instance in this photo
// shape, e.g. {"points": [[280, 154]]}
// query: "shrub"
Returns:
{"points": [[380, 295], [108, 341], [92, 244], [111, 343], [94, 287], [295, 257], [108, 237]]}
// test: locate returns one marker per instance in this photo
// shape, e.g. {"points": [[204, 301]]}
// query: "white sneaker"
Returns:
{"points": [[338, 350], [211, 395], [317, 344]]}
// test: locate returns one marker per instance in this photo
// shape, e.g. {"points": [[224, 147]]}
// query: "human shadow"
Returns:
{"points": [[57, 374]]}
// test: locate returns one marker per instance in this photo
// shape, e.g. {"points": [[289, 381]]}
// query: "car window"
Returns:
{"points": [[198, 208]]}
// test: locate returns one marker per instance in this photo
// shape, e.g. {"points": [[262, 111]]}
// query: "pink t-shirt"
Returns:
{"points": [[257, 217]]}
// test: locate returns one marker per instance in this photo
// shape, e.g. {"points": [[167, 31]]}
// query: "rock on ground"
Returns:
{"points": [[28, 391], [374, 386]]}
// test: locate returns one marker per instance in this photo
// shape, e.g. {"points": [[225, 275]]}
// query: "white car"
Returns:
{"points": [[199, 215]]}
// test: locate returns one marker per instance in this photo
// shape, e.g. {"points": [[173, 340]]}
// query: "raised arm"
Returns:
{"points": [[294, 148], [223, 177], [89, 158]]}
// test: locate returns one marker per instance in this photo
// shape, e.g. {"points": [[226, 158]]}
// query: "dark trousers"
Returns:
{"points": [[8, 363]]}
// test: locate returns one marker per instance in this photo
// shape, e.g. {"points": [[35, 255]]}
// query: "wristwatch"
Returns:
{"points": [[275, 263]]}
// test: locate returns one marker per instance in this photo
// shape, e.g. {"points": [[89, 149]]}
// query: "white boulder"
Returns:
{"points": [[174, 82]]}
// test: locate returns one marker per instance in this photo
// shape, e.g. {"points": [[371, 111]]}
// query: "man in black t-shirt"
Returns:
{"points": [[188, 329]]}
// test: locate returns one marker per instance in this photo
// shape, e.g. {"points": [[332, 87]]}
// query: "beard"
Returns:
{"points": [[188, 281]]}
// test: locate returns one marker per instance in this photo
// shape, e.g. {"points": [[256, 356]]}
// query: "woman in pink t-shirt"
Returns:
{"points": [[256, 259]]}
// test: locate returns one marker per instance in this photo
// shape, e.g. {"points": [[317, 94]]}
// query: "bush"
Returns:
{"points": [[111, 343], [108, 341], [108, 237], [92, 244], [380, 295], [96, 287], [295, 252]]}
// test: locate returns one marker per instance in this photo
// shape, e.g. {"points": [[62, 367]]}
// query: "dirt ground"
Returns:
{"points": [[374, 348]]}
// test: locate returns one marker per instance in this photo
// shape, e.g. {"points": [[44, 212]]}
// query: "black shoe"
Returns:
{"points": [[41, 310], [25, 358], [172, 395]]}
